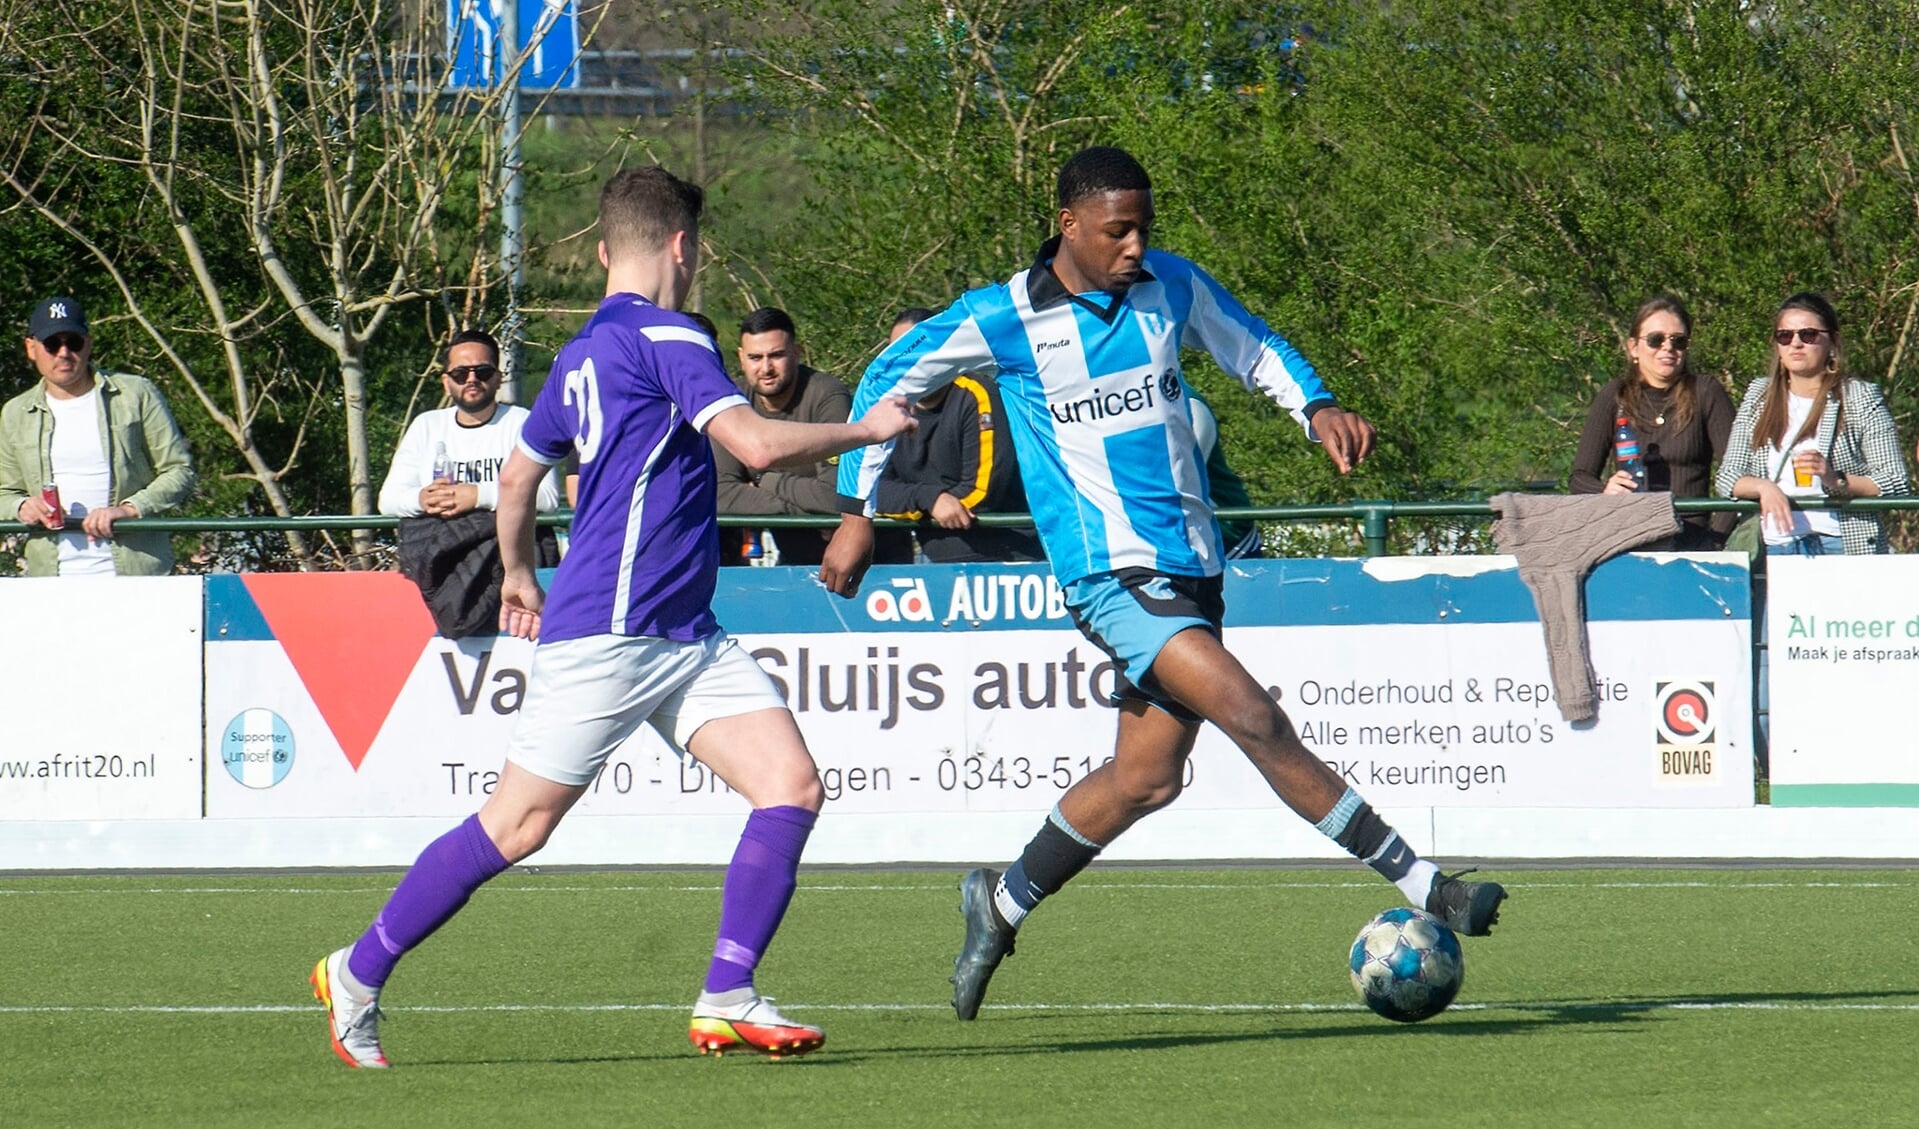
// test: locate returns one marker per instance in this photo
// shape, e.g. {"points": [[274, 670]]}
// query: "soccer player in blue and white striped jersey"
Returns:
{"points": [[1085, 344], [627, 636]]}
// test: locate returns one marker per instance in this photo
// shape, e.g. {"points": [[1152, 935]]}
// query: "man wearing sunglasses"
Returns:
{"points": [[444, 485], [84, 449]]}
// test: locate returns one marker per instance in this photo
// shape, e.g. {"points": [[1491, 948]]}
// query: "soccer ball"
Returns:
{"points": [[1407, 965]]}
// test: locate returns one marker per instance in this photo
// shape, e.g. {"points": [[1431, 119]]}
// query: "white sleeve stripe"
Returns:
{"points": [[679, 333], [536, 456], [715, 408]]}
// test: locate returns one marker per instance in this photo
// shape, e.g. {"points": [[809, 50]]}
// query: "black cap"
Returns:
{"points": [[57, 315]]}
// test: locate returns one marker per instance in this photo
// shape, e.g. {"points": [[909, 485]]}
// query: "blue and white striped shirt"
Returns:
{"points": [[1098, 408]]}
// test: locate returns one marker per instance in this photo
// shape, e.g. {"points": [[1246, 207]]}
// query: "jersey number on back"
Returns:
{"points": [[583, 394]]}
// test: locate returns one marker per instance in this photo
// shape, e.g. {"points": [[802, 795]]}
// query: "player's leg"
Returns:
{"points": [[1149, 756], [583, 697], [732, 720], [1198, 670], [514, 823], [1130, 615]]}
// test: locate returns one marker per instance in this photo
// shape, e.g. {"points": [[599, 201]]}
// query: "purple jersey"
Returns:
{"points": [[634, 391]]}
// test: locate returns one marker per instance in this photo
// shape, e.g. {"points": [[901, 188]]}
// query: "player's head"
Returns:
{"points": [[1105, 219], [647, 215], [472, 376], [905, 320], [770, 355]]}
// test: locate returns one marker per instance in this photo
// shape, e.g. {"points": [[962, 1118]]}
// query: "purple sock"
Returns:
{"points": [[442, 879], [759, 884]]}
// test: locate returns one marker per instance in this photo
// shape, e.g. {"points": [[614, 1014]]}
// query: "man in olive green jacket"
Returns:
{"points": [[106, 440]]}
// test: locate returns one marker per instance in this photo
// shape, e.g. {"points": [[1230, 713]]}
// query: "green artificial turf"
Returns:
{"points": [[1149, 997]]}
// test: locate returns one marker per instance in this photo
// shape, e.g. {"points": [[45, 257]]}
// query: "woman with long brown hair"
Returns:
{"points": [[1682, 421], [1809, 430]]}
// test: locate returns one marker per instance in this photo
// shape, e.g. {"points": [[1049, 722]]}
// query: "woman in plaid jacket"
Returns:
{"points": [[1809, 430]]}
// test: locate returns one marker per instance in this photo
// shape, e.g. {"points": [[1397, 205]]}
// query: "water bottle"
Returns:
{"points": [[753, 554], [1625, 452], [442, 464]]}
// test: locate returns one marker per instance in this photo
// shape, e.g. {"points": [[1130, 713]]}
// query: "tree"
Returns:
{"points": [[266, 183]]}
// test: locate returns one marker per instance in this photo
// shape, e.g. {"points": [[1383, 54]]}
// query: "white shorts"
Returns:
{"points": [[585, 696]]}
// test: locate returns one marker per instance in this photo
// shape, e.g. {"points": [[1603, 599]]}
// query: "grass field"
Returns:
{"points": [[1149, 997]]}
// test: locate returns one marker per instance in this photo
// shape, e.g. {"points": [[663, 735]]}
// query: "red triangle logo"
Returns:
{"points": [[353, 637]]}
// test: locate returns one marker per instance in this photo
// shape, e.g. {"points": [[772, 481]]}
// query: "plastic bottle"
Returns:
{"points": [[1625, 452], [752, 552], [442, 464]]}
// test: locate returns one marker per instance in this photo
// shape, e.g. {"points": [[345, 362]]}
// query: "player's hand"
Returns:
{"points": [[521, 600], [950, 513], [1621, 483], [35, 512], [888, 417], [848, 555], [1347, 437], [99, 523]]}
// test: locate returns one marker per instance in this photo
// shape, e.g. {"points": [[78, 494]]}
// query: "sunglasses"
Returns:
{"points": [[1807, 336], [71, 342], [1658, 341], [465, 373]]}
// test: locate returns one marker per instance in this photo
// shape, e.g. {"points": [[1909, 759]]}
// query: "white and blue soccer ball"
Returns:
{"points": [[1407, 965]]}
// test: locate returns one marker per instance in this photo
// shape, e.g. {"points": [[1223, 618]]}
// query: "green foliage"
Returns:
{"points": [[1452, 208]]}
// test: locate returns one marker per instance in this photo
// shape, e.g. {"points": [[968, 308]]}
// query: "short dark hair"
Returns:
{"points": [[706, 324], [475, 337], [911, 315], [1099, 170], [766, 319], [640, 209]]}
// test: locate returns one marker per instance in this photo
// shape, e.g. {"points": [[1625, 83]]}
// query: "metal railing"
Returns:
{"points": [[1374, 518]]}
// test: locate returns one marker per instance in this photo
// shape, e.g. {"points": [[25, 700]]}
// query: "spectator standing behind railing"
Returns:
{"points": [[106, 444], [444, 485], [960, 462], [1682, 420], [1808, 430], [780, 385]]}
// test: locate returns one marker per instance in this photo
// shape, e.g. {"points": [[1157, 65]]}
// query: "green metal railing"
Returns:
{"points": [[1375, 519]]}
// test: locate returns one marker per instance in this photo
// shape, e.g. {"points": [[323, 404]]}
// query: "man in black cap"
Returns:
{"points": [[83, 449]]}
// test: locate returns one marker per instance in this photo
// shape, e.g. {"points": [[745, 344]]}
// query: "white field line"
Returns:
{"points": [[1163, 1006], [807, 888]]}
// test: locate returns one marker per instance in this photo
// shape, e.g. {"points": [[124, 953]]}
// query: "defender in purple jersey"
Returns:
{"points": [[627, 636]]}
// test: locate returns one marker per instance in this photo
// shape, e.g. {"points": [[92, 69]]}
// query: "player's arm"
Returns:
{"points": [[927, 357], [761, 444], [1247, 349], [521, 598]]}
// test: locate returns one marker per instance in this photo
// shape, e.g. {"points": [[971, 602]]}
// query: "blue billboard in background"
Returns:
{"points": [[551, 27]]}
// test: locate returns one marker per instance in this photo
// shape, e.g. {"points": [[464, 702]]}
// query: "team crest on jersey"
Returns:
{"points": [[1169, 385]]}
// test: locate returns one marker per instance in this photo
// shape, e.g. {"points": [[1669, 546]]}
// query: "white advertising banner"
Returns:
{"points": [[1842, 638], [104, 675], [962, 689]]}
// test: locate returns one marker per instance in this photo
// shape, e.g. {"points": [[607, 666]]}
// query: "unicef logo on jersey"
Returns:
{"points": [[1169, 387], [257, 748]]}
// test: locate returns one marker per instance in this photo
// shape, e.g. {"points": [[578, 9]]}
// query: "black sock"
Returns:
{"points": [[1049, 862]]}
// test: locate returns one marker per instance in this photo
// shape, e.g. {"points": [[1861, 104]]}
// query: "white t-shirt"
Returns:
{"points": [[477, 454], [85, 478], [1803, 521]]}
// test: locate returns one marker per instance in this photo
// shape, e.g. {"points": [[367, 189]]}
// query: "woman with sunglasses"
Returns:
{"points": [[1682, 421], [1809, 430]]}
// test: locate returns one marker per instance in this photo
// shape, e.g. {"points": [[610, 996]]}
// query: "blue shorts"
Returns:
{"points": [[1131, 613]]}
